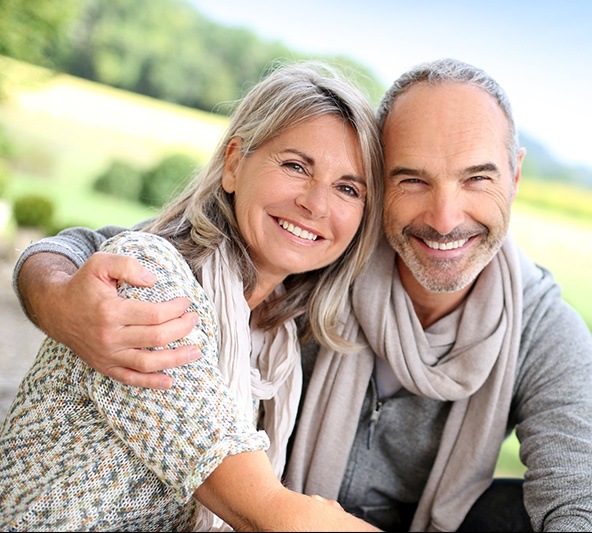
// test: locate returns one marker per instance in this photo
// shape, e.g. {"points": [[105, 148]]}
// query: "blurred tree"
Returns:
{"points": [[30, 29], [162, 48], [167, 49]]}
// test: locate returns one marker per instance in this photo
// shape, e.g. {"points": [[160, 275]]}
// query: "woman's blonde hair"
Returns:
{"points": [[203, 215]]}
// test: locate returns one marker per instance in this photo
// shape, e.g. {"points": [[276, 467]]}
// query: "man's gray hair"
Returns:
{"points": [[450, 70]]}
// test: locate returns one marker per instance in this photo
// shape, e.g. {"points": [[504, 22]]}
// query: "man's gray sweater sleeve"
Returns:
{"points": [[77, 244], [553, 409]]}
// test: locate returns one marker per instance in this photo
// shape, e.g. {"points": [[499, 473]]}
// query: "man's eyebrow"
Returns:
{"points": [[420, 173], [484, 167], [404, 171]]}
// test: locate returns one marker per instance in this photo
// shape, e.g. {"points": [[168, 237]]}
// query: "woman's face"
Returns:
{"points": [[299, 198]]}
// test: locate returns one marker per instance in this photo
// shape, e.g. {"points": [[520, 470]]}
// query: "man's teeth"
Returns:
{"points": [[296, 230], [446, 245]]}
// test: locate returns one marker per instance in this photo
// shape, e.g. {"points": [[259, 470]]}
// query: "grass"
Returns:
{"points": [[64, 131], [561, 243]]}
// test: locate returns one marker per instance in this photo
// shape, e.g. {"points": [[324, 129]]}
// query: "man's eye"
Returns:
{"points": [[411, 184], [479, 178]]}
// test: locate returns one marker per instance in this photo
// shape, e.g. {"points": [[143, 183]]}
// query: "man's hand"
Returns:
{"points": [[81, 309]]}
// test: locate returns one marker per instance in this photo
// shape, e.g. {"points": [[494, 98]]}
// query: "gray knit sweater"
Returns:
{"points": [[551, 411]]}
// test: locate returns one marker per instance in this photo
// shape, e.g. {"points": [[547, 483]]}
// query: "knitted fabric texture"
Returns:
{"points": [[80, 451]]}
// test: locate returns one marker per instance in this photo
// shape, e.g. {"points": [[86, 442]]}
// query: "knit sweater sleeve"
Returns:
{"points": [[181, 434], [553, 409]]}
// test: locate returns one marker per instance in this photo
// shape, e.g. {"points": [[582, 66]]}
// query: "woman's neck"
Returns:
{"points": [[260, 293]]}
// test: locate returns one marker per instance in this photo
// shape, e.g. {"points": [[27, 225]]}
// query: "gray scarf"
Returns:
{"points": [[471, 364]]}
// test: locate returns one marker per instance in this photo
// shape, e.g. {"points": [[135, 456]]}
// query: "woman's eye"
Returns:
{"points": [[297, 167], [349, 190]]}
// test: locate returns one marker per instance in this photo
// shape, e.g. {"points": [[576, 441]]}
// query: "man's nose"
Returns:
{"points": [[445, 212]]}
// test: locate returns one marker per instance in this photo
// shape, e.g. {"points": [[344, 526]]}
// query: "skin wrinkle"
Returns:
{"points": [[447, 182], [303, 176]]}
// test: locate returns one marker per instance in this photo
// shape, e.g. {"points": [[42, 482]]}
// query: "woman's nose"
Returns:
{"points": [[315, 200]]}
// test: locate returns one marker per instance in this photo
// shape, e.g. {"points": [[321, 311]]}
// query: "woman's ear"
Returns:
{"points": [[232, 158]]}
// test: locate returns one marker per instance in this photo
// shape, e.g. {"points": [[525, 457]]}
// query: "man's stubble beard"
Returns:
{"points": [[447, 275]]}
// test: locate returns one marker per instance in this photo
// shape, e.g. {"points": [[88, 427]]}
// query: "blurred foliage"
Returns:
{"points": [[168, 50], [508, 462], [121, 179], [4, 177], [5, 150], [31, 30], [153, 187], [33, 211], [167, 178], [5, 146], [560, 196]]}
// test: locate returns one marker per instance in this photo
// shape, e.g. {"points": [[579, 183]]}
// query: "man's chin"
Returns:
{"points": [[446, 287], [443, 280]]}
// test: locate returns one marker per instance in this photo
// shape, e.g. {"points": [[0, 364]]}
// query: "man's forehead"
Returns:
{"points": [[447, 104], [445, 114]]}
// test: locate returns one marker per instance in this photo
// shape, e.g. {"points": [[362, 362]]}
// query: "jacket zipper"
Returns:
{"points": [[375, 415]]}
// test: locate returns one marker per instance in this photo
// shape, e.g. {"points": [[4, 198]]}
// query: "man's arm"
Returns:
{"points": [[79, 307], [553, 410], [76, 244]]}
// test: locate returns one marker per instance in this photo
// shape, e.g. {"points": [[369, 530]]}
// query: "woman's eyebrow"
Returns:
{"points": [[310, 160]]}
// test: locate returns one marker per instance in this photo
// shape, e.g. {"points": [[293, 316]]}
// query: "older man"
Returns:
{"points": [[464, 338]]}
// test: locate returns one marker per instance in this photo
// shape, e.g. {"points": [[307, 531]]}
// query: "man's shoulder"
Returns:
{"points": [[537, 281], [545, 312]]}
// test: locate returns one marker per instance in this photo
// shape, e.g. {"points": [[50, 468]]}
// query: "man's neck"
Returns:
{"points": [[429, 306]]}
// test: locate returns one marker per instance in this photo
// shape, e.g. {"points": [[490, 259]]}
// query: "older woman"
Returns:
{"points": [[278, 225]]}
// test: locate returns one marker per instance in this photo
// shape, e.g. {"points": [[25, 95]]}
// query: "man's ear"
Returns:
{"points": [[518, 171], [232, 157]]}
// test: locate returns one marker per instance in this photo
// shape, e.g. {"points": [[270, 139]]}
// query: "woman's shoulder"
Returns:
{"points": [[140, 244], [131, 238], [155, 253]]}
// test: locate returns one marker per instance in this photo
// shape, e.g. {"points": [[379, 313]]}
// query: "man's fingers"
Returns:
{"points": [[147, 361], [158, 335], [138, 379], [110, 267], [139, 313], [141, 368]]}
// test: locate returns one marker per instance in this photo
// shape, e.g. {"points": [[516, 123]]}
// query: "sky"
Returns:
{"points": [[540, 51]]}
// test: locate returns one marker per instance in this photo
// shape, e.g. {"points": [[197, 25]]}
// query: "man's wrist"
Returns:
{"points": [[38, 278]]}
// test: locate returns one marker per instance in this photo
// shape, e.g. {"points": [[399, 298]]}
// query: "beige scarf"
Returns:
{"points": [[475, 370], [268, 369]]}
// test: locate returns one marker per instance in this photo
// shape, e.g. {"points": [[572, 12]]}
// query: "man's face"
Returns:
{"points": [[449, 184]]}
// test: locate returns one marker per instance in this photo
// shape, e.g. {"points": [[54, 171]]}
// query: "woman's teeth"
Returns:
{"points": [[296, 230]]}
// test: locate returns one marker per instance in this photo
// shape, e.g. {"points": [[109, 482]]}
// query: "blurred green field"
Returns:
{"points": [[64, 131]]}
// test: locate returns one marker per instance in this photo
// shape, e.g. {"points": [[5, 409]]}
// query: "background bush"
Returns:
{"points": [[120, 179], [166, 178], [33, 210]]}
